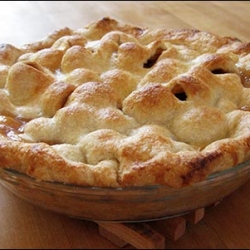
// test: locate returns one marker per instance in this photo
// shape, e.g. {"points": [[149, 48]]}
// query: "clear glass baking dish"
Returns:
{"points": [[125, 204]]}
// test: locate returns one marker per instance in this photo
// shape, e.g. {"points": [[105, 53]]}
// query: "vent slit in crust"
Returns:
{"points": [[153, 59], [219, 71]]}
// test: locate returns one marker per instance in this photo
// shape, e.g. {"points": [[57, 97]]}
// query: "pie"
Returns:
{"points": [[114, 105]]}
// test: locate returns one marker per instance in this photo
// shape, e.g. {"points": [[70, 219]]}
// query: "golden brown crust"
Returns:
{"points": [[114, 105]]}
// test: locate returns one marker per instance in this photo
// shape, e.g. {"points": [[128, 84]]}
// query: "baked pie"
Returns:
{"points": [[113, 105]]}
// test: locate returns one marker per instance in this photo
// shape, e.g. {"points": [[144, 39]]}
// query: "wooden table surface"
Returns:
{"points": [[24, 225]]}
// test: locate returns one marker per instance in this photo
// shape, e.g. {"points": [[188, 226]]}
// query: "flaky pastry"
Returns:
{"points": [[113, 105]]}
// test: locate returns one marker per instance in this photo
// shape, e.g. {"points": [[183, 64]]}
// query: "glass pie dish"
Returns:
{"points": [[125, 204]]}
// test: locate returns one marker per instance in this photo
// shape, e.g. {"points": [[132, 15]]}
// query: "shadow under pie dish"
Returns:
{"points": [[120, 108]]}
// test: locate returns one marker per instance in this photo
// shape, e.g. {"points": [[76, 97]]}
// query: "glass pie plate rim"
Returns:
{"points": [[130, 204]]}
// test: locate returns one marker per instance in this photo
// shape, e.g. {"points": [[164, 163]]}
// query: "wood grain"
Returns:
{"points": [[24, 225]]}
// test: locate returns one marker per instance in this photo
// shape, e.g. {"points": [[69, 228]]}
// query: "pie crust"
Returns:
{"points": [[113, 105]]}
